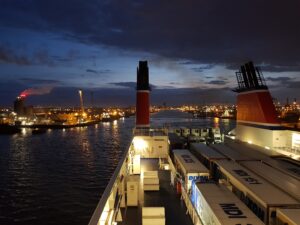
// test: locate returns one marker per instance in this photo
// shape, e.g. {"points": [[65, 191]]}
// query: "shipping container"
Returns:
{"points": [[189, 167], [262, 197], [252, 151], [290, 185], [288, 217], [284, 164], [232, 154], [215, 204], [207, 156], [287, 166]]}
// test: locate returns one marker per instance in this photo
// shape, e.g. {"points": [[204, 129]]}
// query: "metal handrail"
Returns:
{"points": [[150, 132], [101, 204]]}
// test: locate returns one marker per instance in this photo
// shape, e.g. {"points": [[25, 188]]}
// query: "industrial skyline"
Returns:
{"points": [[193, 50]]}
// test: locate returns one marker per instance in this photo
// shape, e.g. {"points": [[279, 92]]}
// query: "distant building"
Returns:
{"points": [[19, 106], [28, 111]]}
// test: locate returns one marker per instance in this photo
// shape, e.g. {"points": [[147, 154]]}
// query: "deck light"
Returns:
{"points": [[139, 144]]}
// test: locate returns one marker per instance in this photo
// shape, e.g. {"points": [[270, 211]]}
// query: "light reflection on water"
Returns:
{"points": [[58, 177]]}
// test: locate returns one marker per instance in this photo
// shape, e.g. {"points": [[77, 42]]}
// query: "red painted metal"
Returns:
{"points": [[256, 107], [142, 108], [178, 187]]}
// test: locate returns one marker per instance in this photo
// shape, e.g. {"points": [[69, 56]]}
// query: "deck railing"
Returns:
{"points": [[108, 190], [150, 131]]}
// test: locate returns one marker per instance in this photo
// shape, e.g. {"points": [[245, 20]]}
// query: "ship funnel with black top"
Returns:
{"points": [[142, 96], [254, 102]]}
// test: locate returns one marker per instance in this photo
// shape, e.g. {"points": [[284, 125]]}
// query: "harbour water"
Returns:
{"points": [[58, 177]]}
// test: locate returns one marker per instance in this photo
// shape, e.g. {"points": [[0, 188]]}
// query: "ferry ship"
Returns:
{"points": [[252, 178]]}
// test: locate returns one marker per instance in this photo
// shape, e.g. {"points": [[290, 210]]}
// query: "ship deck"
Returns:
{"points": [[175, 209]]}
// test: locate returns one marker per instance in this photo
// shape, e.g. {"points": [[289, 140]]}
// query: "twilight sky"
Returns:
{"points": [[193, 48]]}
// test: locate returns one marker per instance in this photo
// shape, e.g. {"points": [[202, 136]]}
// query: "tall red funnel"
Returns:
{"points": [[142, 96]]}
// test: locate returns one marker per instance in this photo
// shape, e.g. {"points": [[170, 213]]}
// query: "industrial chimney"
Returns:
{"points": [[19, 106], [142, 96]]}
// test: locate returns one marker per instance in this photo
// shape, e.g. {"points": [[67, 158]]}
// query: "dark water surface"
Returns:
{"points": [[58, 177]]}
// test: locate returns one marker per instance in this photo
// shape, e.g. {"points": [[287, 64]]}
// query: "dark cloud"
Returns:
{"points": [[98, 71], [91, 71], [284, 83], [163, 87], [174, 83], [202, 68], [279, 79], [222, 78], [293, 84], [131, 85], [35, 81], [7, 55], [42, 57], [8, 94], [198, 96], [186, 62], [216, 32], [12, 55], [211, 32], [280, 68], [70, 56], [197, 69], [217, 82], [125, 84]]}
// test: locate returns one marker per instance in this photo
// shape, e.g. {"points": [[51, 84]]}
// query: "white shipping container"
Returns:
{"points": [[230, 153], [262, 197], [189, 167], [291, 185], [206, 151], [217, 205]]}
